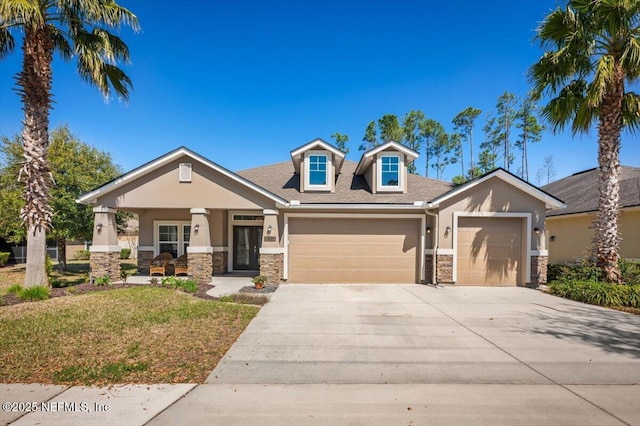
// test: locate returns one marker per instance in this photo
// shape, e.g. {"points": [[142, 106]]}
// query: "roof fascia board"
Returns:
{"points": [[550, 201], [90, 197], [418, 205]]}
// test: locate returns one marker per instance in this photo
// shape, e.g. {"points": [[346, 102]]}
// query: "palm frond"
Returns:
{"points": [[24, 12], [113, 48], [98, 52], [631, 111], [60, 43], [563, 109], [7, 42], [602, 79]]}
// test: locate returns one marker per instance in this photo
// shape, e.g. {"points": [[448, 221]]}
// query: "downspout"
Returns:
{"points": [[435, 247]]}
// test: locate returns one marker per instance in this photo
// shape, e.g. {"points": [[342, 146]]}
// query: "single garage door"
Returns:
{"points": [[353, 250], [489, 251]]}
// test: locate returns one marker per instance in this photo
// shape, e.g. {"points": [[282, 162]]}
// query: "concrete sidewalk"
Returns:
{"points": [[386, 355]]}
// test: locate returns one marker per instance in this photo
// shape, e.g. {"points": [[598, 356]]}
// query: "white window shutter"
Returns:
{"points": [[185, 172]]}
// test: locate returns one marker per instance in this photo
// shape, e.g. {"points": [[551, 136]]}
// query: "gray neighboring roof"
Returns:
{"points": [[281, 180], [580, 190]]}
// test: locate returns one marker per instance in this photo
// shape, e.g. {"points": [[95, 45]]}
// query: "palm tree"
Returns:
{"points": [[594, 51], [74, 29]]}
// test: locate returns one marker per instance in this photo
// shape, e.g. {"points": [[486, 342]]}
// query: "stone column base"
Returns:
{"points": [[538, 271], [220, 262], [144, 258], [105, 264], [200, 267], [428, 269], [271, 266], [444, 268]]}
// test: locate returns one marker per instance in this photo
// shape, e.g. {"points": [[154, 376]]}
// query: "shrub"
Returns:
{"points": [[14, 289], [597, 293], [48, 265], [4, 257], [630, 272], [104, 280], [125, 253], [34, 293], [82, 255], [188, 285], [587, 270], [584, 270]]}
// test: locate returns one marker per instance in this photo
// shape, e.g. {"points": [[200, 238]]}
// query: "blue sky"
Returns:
{"points": [[244, 82]]}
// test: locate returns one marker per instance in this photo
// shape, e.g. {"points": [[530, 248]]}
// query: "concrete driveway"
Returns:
{"points": [[412, 354]]}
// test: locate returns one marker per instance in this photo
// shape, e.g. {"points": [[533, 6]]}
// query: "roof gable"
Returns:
{"points": [[369, 156], [145, 169], [550, 201], [297, 155]]}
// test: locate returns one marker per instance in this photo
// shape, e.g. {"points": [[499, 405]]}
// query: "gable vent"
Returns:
{"points": [[185, 172]]}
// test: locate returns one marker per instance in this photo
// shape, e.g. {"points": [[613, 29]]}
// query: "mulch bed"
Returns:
{"points": [[252, 289], [12, 299]]}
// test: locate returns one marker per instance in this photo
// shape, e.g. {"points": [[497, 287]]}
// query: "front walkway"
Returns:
{"points": [[221, 284]]}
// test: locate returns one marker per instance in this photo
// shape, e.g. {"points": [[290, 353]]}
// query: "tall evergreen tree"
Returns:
{"points": [[530, 131], [413, 136], [464, 123]]}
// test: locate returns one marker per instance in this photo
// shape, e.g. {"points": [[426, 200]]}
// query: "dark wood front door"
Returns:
{"points": [[246, 247]]}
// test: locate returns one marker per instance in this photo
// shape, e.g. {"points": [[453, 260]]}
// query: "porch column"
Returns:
{"points": [[105, 251], [539, 258], [199, 252], [271, 254]]}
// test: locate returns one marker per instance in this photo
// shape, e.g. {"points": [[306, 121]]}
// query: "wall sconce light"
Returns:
{"points": [[269, 228], [196, 228], [447, 231], [99, 228], [536, 230], [552, 238], [428, 230]]}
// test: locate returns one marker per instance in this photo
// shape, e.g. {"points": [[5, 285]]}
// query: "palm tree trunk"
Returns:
{"points": [[35, 83], [609, 129], [471, 165]]}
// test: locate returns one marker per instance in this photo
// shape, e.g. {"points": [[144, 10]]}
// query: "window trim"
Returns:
{"points": [[308, 186], [392, 188]]}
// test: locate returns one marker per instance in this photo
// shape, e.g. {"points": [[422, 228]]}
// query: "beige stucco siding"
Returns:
{"points": [[573, 236], [493, 195], [161, 188]]}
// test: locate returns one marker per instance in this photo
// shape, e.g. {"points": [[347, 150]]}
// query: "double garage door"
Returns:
{"points": [[354, 250]]}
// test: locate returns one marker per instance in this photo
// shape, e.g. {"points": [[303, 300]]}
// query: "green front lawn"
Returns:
{"points": [[133, 335]]}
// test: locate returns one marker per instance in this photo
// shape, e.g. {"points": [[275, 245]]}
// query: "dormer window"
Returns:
{"points": [[316, 171], [390, 176], [390, 173]]}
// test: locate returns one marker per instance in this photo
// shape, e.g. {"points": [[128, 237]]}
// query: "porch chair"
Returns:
{"points": [[181, 265], [160, 264]]}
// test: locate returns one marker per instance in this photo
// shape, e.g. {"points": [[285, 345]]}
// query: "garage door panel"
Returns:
{"points": [[353, 251], [489, 251]]}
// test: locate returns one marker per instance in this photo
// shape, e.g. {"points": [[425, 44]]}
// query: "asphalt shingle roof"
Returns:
{"points": [[580, 191], [281, 180]]}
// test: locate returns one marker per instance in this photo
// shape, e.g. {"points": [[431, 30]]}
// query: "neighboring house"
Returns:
{"points": [[322, 219], [570, 231]]}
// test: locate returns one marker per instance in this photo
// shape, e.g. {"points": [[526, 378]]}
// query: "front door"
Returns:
{"points": [[246, 247]]}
